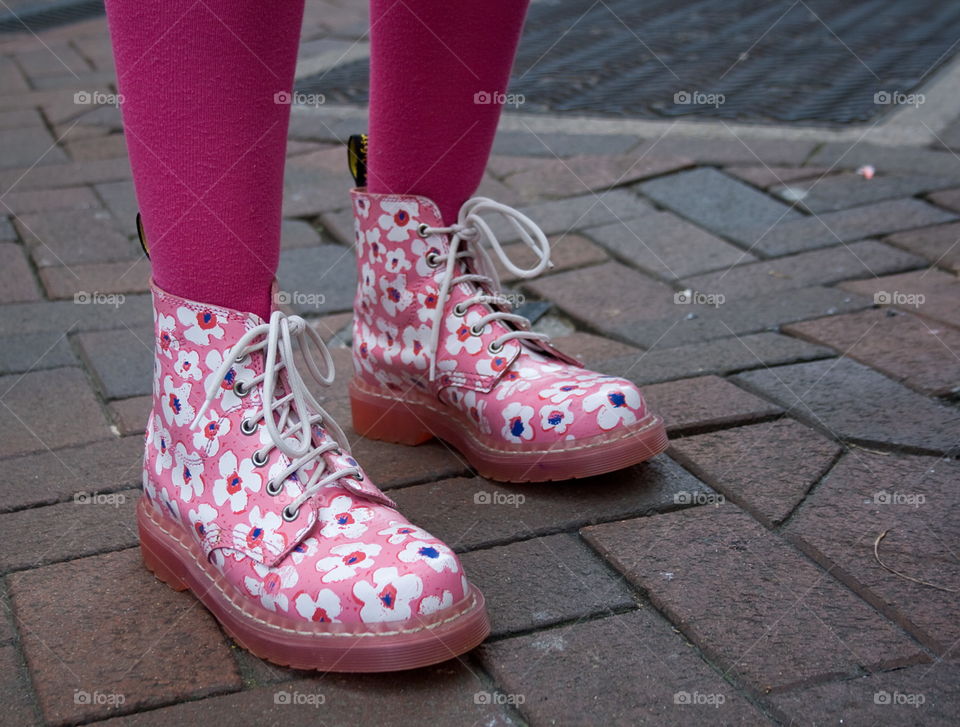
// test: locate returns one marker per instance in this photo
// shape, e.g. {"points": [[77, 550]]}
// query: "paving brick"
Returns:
{"points": [[45, 200], [910, 498], [667, 246], [16, 278], [577, 213], [733, 149], [767, 176], [130, 415], [566, 252], [320, 279], [716, 201], [65, 237], [330, 325], [627, 669], [832, 228], [592, 349], [949, 198], [34, 351], [63, 316], [87, 525], [49, 477], [339, 225], [780, 622], [527, 144], [7, 629], [297, 233], [31, 145], [908, 349], [7, 233], [129, 276], [60, 58], [18, 706], [580, 585], [691, 322], [767, 469], [850, 401], [151, 645], [474, 513], [705, 402], [849, 189], [42, 410], [917, 695], [65, 175], [940, 244], [886, 159], [108, 146], [816, 267], [121, 360], [939, 291], [121, 200], [720, 356]]}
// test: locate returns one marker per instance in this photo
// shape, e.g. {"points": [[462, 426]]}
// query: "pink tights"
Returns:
{"points": [[207, 140]]}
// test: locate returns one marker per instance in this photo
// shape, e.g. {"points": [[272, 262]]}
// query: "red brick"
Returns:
{"points": [[939, 244], [705, 402], [939, 289], [15, 693], [915, 499], [753, 604], [767, 469], [593, 349], [16, 278], [104, 624], [566, 252], [67, 237], [130, 415], [129, 276]]}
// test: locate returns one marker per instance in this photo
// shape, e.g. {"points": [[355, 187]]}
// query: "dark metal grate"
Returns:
{"points": [[815, 61], [49, 15]]}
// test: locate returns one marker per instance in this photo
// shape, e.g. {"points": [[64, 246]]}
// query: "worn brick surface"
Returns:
{"points": [[626, 669], [18, 706], [578, 213], [592, 349], [44, 200], [705, 402], [888, 158], [472, 513], [40, 411], [940, 292], [840, 191], [668, 246], [48, 477], [939, 245], [130, 415], [297, 233], [121, 360], [566, 251], [770, 176], [559, 144], [851, 401], [329, 271], [580, 584], [918, 353], [31, 145], [949, 198], [16, 279], [66, 175], [65, 237], [66, 316], [766, 468], [913, 499], [749, 600], [129, 276], [732, 149], [121, 200], [152, 645]]}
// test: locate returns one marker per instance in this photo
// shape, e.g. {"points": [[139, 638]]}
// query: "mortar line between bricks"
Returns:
{"points": [[779, 529], [24, 675]]}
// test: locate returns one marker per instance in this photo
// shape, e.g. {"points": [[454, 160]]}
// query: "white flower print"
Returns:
{"points": [[235, 481], [167, 341], [345, 560], [187, 365], [614, 404], [212, 428], [161, 443], [323, 609], [168, 502], [368, 285], [364, 343], [396, 261], [187, 474], [175, 402], [474, 405], [556, 417], [228, 399], [306, 548], [399, 531], [201, 325], [202, 519], [516, 426], [428, 298], [436, 555], [341, 518], [432, 604], [562, 390], [260, 535], [462, 338], [492, 366], [387, 341], [415, 341], [362, 207], [395, 296], [398, 219], [375, 248], [388, 597], [269, 587]]}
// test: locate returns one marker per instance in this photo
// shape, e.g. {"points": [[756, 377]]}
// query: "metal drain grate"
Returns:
{"points": [[816, 61], [49, 15]]}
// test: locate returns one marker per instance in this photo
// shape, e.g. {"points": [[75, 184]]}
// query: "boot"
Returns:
{"points": [[253, 502], [437, 352]]}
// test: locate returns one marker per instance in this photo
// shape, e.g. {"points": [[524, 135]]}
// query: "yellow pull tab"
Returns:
{"points": [[357, 158], [143, 236]]}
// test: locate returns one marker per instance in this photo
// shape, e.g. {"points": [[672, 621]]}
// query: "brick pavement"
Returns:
{"points": [[810, 389]]}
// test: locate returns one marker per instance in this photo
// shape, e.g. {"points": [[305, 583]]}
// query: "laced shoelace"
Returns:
{"points": [[289, 417], [466, 242]]}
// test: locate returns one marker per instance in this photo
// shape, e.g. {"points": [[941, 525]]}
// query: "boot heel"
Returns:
{"points": [[152, 554], [387, 420]]}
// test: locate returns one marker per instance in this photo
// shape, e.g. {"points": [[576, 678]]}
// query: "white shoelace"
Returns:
{"points": [[473, 230], [289, 418]]}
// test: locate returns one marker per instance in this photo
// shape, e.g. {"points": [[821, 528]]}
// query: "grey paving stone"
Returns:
{"points": [[121, 360], [667, 246], [297, 233], [716, 201], [31, 145], [16, 278], [525, 143], [44, 200], [720, 356], [848, 400], [63, 316], [580, 585], [774, 176], [887, 159], [866, 258], [7, 233], [121, 200], [65, 175], [64, 237], [732, 150], [319, 279], [34, 351], [577, 213], [849, 189]]}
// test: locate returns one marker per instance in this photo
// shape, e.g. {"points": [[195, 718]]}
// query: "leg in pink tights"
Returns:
{"points": [[429, 60], [207, 138]]}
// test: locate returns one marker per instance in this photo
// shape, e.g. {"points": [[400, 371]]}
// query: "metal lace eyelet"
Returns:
{"points": [[289, 515], [274, 487], [422, 229], [433, 260], [495, 347], [459, 311], [474, 331], [240, 388], [259, 458], [358, 477], [248, 426], [242, 358]]}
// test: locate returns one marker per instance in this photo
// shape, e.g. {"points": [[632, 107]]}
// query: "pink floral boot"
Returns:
{"points": [[437, 352], [253, 502]]}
